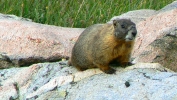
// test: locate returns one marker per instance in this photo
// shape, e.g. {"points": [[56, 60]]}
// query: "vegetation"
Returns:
{"points": [[75, 13]]}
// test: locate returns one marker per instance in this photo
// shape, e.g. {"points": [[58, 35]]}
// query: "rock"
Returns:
{"points": [[5, 61], [171, 6], [156, 40], [144, 84], [24, 43], [55, 81], [5, 16], [39, 79], [9, 92], [34, 77], [136, 15]]}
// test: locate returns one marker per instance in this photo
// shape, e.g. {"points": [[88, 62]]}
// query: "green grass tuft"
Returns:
{"points": [[75, 13]]}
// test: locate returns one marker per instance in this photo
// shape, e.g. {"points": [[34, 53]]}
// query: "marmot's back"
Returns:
{"points": [[99, 44]]}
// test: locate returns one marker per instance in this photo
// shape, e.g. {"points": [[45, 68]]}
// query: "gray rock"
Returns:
{"points": [[144, 84], [57, 81], [5, 16], [170, 6], [140, 15], [136, 15], [8, 92]]}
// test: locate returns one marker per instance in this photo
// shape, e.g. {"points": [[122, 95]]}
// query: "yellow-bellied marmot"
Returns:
{"points": [[101, 44]]}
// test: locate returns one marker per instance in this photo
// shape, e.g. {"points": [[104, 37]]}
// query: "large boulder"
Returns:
{"points": [[156, 40], [168, 7], [57, 81], [136, 16], [24, 43], [5, 16]]}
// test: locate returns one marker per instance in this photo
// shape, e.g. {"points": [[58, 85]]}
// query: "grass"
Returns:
{"points": [[75, 13]]}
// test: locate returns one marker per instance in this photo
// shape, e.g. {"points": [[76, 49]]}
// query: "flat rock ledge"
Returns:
{"points": [[142, 81]]}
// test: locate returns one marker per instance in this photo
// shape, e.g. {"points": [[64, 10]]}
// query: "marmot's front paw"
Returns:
{"points": [[110, 71], [130, 64], [125, 64]]}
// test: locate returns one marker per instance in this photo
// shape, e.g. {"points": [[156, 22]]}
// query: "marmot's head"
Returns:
{"points": [[125, 29]]}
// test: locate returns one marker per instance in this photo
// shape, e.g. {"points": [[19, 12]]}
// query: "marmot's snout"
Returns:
{"points": [[131, 34]]}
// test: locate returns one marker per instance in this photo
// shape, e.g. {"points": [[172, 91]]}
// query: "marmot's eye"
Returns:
{"points": [[123, 26]]}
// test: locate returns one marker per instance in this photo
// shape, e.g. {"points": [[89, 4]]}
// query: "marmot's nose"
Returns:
{"points": [[134, 33]]}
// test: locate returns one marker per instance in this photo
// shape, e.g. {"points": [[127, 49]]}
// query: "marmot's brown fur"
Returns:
{"points": [[101, 44]]}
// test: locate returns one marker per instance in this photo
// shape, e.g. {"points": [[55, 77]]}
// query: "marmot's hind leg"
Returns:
{"points": [[69, 62], [80, 68]]}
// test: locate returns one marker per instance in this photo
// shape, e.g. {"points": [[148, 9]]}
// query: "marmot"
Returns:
{"points": [[100, 44]]}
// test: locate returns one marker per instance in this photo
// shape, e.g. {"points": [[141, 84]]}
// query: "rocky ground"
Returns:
{"points": [[33, 66]]}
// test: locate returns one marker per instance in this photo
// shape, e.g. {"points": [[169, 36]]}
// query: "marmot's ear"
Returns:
{"points": [[115, 22], [129, 19]]}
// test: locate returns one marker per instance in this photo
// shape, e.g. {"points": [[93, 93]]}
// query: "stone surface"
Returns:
{"points": [[136, 15], [170, 6], [24, 43], [57, 81], [8, 92], [30, 79], [144, 84], [39, 79], [5, 16], [156, 40]]}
